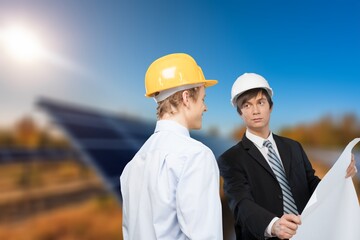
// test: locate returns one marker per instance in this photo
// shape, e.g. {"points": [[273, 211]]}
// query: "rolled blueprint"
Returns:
{"points": [[333, 211]]}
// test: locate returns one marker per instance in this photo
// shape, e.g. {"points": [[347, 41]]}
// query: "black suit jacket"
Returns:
{"points": [[253, 193]]}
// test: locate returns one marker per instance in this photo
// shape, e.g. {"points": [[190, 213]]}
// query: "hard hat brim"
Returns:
{"points": [[207, 83], [210, 83], [235, 98]]}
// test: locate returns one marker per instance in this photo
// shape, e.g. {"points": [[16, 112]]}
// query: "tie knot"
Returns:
{"points": [[267, 144]]}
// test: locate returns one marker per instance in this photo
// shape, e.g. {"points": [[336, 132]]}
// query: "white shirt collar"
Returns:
{"points": [[173, 126], [259, 141]]}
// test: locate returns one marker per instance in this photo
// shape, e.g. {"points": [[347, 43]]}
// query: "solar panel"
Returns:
{"points": [[16, 154], [107, 141]]}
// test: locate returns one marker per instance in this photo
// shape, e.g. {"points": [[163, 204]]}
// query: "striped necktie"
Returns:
{"points": [[276, 166]]}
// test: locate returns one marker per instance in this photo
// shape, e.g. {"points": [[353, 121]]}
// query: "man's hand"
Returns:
{"points": [[286, 226], [351, 170]]}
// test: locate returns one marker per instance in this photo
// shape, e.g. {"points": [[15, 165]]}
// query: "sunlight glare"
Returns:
{"points": [[21, 43]]}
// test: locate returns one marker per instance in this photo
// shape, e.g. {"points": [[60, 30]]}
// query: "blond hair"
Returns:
{"points": [[174, 101]]}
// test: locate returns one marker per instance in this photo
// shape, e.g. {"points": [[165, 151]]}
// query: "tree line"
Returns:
{"points": [[328, 132]]}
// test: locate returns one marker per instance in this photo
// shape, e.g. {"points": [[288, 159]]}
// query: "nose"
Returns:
{"points": [[256, 109]]}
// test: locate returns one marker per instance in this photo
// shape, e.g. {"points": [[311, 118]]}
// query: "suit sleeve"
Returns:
{"points": [[312, 179], [247, 213]]}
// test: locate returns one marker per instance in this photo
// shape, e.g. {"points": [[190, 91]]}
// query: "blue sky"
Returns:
{"points": [[307, 50]]}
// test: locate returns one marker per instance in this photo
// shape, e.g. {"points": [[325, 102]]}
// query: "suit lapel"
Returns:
{"points": [[256, 154], [285, 154]]}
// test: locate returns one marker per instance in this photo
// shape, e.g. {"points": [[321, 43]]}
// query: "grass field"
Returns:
{"points": [[98, 217], [94, 219]]}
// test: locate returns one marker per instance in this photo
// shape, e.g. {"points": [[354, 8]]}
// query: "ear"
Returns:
{"points": [[186, 98]]}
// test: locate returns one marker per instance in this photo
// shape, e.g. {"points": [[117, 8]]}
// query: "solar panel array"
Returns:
{"points": [[107, 141]]}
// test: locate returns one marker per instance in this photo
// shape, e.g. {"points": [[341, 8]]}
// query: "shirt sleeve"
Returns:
{"points": [[269, 227], [198, 200], [124, 208]]}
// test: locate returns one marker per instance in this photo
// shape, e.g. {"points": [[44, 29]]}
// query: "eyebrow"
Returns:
{"points": [[248, 101], [261, 97]]}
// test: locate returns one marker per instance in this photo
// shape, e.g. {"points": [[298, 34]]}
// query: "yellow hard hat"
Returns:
{"points": [[173, 70]]}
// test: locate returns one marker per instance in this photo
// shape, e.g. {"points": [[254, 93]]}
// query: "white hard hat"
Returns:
{"points": [[246, 82]]}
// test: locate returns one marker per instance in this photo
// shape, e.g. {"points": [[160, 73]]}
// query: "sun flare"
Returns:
{"points": [[21, 43]]}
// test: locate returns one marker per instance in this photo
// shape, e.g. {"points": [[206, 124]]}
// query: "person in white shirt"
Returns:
{"points": [[170, 189]]}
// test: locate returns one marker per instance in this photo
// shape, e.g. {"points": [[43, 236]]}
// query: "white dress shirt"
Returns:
{"points": [[258, 142], [170, 188]]}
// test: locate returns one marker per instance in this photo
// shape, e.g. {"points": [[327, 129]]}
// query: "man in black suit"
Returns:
{"points": [[268, 179]]}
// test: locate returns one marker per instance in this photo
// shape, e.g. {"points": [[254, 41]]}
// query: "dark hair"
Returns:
{"points": [[249, 94]]}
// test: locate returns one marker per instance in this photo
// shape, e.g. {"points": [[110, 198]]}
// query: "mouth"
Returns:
{"points": [[257, 119]]}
